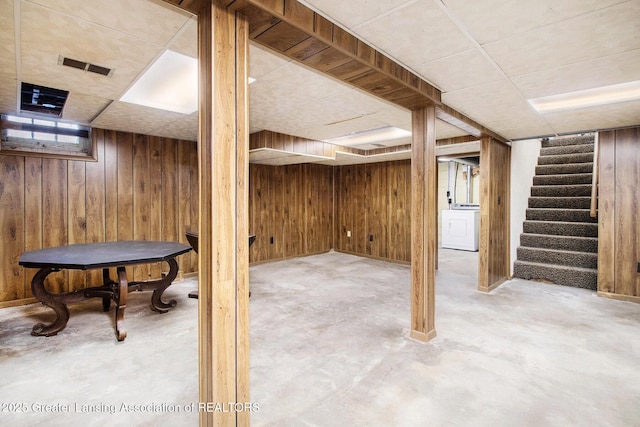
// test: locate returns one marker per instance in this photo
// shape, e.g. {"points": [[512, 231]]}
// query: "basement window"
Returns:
{"points": [[26, 136]]}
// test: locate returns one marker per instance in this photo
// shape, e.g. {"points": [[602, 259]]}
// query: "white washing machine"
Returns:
{"points": [[460, 229]]}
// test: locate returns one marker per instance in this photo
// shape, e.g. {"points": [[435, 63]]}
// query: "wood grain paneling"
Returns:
{"points": [[290, 210], [32, 215], [77, 216], [373, 200], [95, 201], [493, 259], [606, 212], [12, 225], [618, 207], [49, 202], [54, 215]]}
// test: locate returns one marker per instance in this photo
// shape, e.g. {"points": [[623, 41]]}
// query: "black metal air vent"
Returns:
{"points": [[85, 66], [42, 100]]}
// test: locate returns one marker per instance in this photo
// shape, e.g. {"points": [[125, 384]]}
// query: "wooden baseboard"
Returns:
{"points": [[17, 303], [265, 261], [630, 298], [395, 261]]}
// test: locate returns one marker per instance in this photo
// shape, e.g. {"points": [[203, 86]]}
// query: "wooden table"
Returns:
{"points": [[101, 255]]}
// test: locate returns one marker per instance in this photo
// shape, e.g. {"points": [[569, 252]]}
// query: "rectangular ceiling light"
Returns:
{"points": [[171, 83], [388, 133], [587, 98]]}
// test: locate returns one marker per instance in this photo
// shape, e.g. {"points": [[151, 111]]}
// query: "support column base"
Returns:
{"points": [[421, 336]]}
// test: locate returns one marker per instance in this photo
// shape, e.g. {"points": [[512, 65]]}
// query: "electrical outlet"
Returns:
{"points": [[348, 233]]}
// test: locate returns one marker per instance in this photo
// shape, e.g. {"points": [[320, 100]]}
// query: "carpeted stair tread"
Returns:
{"points": [[576, 190], [570, 140], [556, 214], [550, 241], [563, 179], [559, 169], [561, 228], [559, 274], [559, 243], [560, 202], [558, 257], [566, 159], [566, 149]]}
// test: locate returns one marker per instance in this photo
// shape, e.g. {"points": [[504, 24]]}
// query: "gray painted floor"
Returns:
{"points": [[330, 347]]}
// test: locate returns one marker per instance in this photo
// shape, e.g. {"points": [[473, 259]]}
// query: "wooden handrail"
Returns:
{"points": [[594, 179]]}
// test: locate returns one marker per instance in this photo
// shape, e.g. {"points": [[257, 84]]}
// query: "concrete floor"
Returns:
{"points": [[330, 347]]}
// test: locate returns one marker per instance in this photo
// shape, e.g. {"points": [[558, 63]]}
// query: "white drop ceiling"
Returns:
{"points": [[486, 56]]}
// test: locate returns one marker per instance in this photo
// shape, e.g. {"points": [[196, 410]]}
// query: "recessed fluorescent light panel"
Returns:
{"points": [[171, 83], [389, 133], [587, 98]]}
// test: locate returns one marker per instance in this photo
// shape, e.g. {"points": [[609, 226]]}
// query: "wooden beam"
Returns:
{"points": [[424, 226], [296, 31], [223, 222], [193, 6]]}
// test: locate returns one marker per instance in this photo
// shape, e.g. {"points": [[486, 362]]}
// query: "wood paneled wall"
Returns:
{"points": [[374, 199], [293, 205], [141, 187], [495, 172], [618, 207]]}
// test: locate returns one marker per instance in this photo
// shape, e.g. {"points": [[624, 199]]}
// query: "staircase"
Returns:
{"points": [[559, 243]]}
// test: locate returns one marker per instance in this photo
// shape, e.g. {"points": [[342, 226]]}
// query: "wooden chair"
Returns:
{"points": [[192, 238]]}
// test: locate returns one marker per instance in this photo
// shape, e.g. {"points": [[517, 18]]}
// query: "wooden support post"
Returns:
{"points": [[223, 319], [424, 226], [495, 175]]}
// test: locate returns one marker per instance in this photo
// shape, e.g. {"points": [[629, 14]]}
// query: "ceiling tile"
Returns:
{"points": [[603, 117], [499, 107], [151, 21], [262, 61], [464, 69], [485, 95], [320, 132], [445, 130], [128, 117], [7, 40], [353, 12], [606, 32], [8, 95], [514, 127], [186, 42], [490, 20], [46, 35], [185, 128], [415, 33], [608, 70], [82, 108]]}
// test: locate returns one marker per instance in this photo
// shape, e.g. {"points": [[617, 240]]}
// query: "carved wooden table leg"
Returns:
{"points": [[156, 302], [106, 281], [121, 303], [50, 300]]}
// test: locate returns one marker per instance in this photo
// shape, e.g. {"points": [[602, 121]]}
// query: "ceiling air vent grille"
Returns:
{"points": [[85, 66]]}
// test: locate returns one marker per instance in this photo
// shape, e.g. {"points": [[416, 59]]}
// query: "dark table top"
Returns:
{"points": [[86, 256]]}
